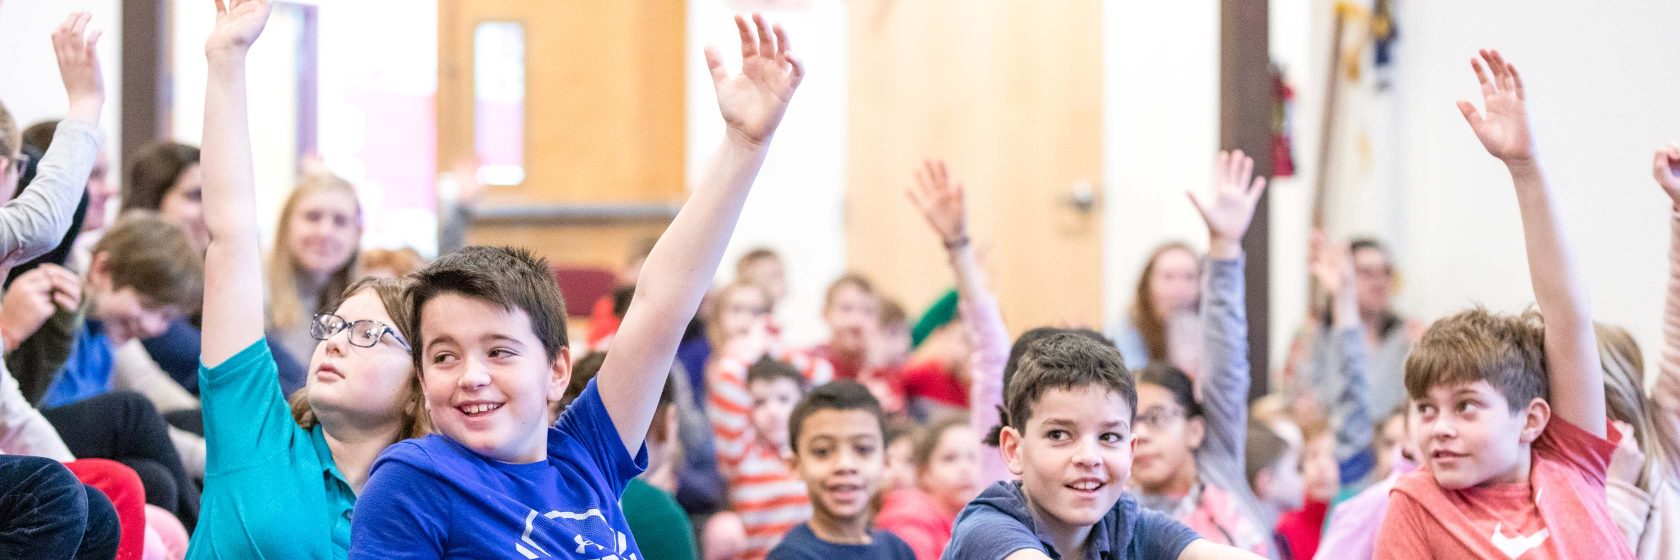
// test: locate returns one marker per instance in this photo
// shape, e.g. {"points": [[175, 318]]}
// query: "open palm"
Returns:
{"points": [[238, 23], [752, 102], [1236, 191], [940, 201], [1666, 169], [1331, 265], [1503, 127]]}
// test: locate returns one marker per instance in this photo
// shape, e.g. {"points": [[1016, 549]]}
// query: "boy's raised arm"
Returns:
{"points": [[1224, 379], [680, 268], [233, 286], [1577, 382]]}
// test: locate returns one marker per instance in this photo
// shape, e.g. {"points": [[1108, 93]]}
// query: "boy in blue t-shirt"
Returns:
{"points": [[837, 435], [497, 480]]}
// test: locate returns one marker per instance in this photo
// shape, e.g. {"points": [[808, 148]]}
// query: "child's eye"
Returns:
{"points": [[1425, 409], [501, 353], [442, 357], [1111, 437], [1466, 406], [819, 452], [865, 450], [1056, 435]]}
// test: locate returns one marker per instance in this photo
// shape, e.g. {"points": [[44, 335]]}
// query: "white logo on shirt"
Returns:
{"points": [[591, 522], [1516, 546]]}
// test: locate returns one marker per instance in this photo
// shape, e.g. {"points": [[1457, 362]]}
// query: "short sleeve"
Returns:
{"points": [[1402, 535], [587, 423], [246, 419], [1160, 536], [984, 532], [400, 514], [1578, 450]]}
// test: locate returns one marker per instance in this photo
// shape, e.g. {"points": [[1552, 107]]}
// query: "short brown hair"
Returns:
{"points": [[1065, 360], [1263, 451], [156, 258], [510, 277], [851, 279], [1507, 351], [892, 313], [393, 295], [752, 257], [10, 139], [155, 170]]}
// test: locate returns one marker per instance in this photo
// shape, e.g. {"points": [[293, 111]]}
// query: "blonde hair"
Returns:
{"points": [[402, 262], [1624, 399], [285, 309], [393, 294]]}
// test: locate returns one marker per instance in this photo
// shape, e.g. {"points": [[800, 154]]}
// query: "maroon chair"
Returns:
{"points": [[582, 286]]}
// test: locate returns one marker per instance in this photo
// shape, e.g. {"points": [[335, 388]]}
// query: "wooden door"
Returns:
{"points": [[1009, 93], [603, 122]]}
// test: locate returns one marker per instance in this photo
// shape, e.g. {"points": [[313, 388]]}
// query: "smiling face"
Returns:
{"points": [[841, 461], [322, 231], [1073, 455], [487, 379], [371, 384], [1467, 435]]}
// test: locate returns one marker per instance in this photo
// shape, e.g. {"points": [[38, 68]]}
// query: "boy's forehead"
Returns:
{"points": [[1479, 387], [844, 424], [457, 315], [1091, 403]]}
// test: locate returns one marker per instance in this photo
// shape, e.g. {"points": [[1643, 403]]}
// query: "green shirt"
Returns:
{"points": [[656, 521], [271, 489]]}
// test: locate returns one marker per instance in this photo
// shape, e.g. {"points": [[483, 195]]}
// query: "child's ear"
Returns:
{"points": [[99, 270], [1009, 444], [1195, 429], [1535, 416], [560, 374]]}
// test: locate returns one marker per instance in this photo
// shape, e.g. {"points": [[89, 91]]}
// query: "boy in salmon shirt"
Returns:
{"points": [[1511, 414]]}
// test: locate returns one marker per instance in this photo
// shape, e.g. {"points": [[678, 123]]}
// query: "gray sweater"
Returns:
{"points": [[35, 222]]}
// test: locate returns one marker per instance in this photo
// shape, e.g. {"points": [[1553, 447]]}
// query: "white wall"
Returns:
{"points": [[1601, 85], [795, 206], [1160, 132], [29, 81]]}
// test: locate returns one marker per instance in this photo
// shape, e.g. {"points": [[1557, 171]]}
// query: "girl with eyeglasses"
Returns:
{"points": [[282, 478]]}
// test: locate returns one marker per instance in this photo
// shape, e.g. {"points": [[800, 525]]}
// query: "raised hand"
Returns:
{"points": [[1236, 191], [78, 65], [1666, 169], [34, 297], [753, 101], [238, 23], [1503, 129], [941, 202], [1330, 263]]}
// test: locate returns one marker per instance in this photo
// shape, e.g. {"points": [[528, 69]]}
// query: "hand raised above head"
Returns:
{"points": [[78, 60], [1236, 191], [940, 201], [238, 24], [752, 102], [1503, 128]]}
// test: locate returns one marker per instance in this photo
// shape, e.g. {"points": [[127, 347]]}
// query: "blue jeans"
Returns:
{"points": [[46, 513]]}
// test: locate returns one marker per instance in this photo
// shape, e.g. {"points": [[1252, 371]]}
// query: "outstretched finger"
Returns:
{"points": [[798, 74], [714, 64], [1256, 189], [941, 177], [1198, 204], [80, 25], [90, 51], [782, 45], [1488, 88], [749, 45], [1245, 171], [766, 38], [1516, 81], [1471, 115]]}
